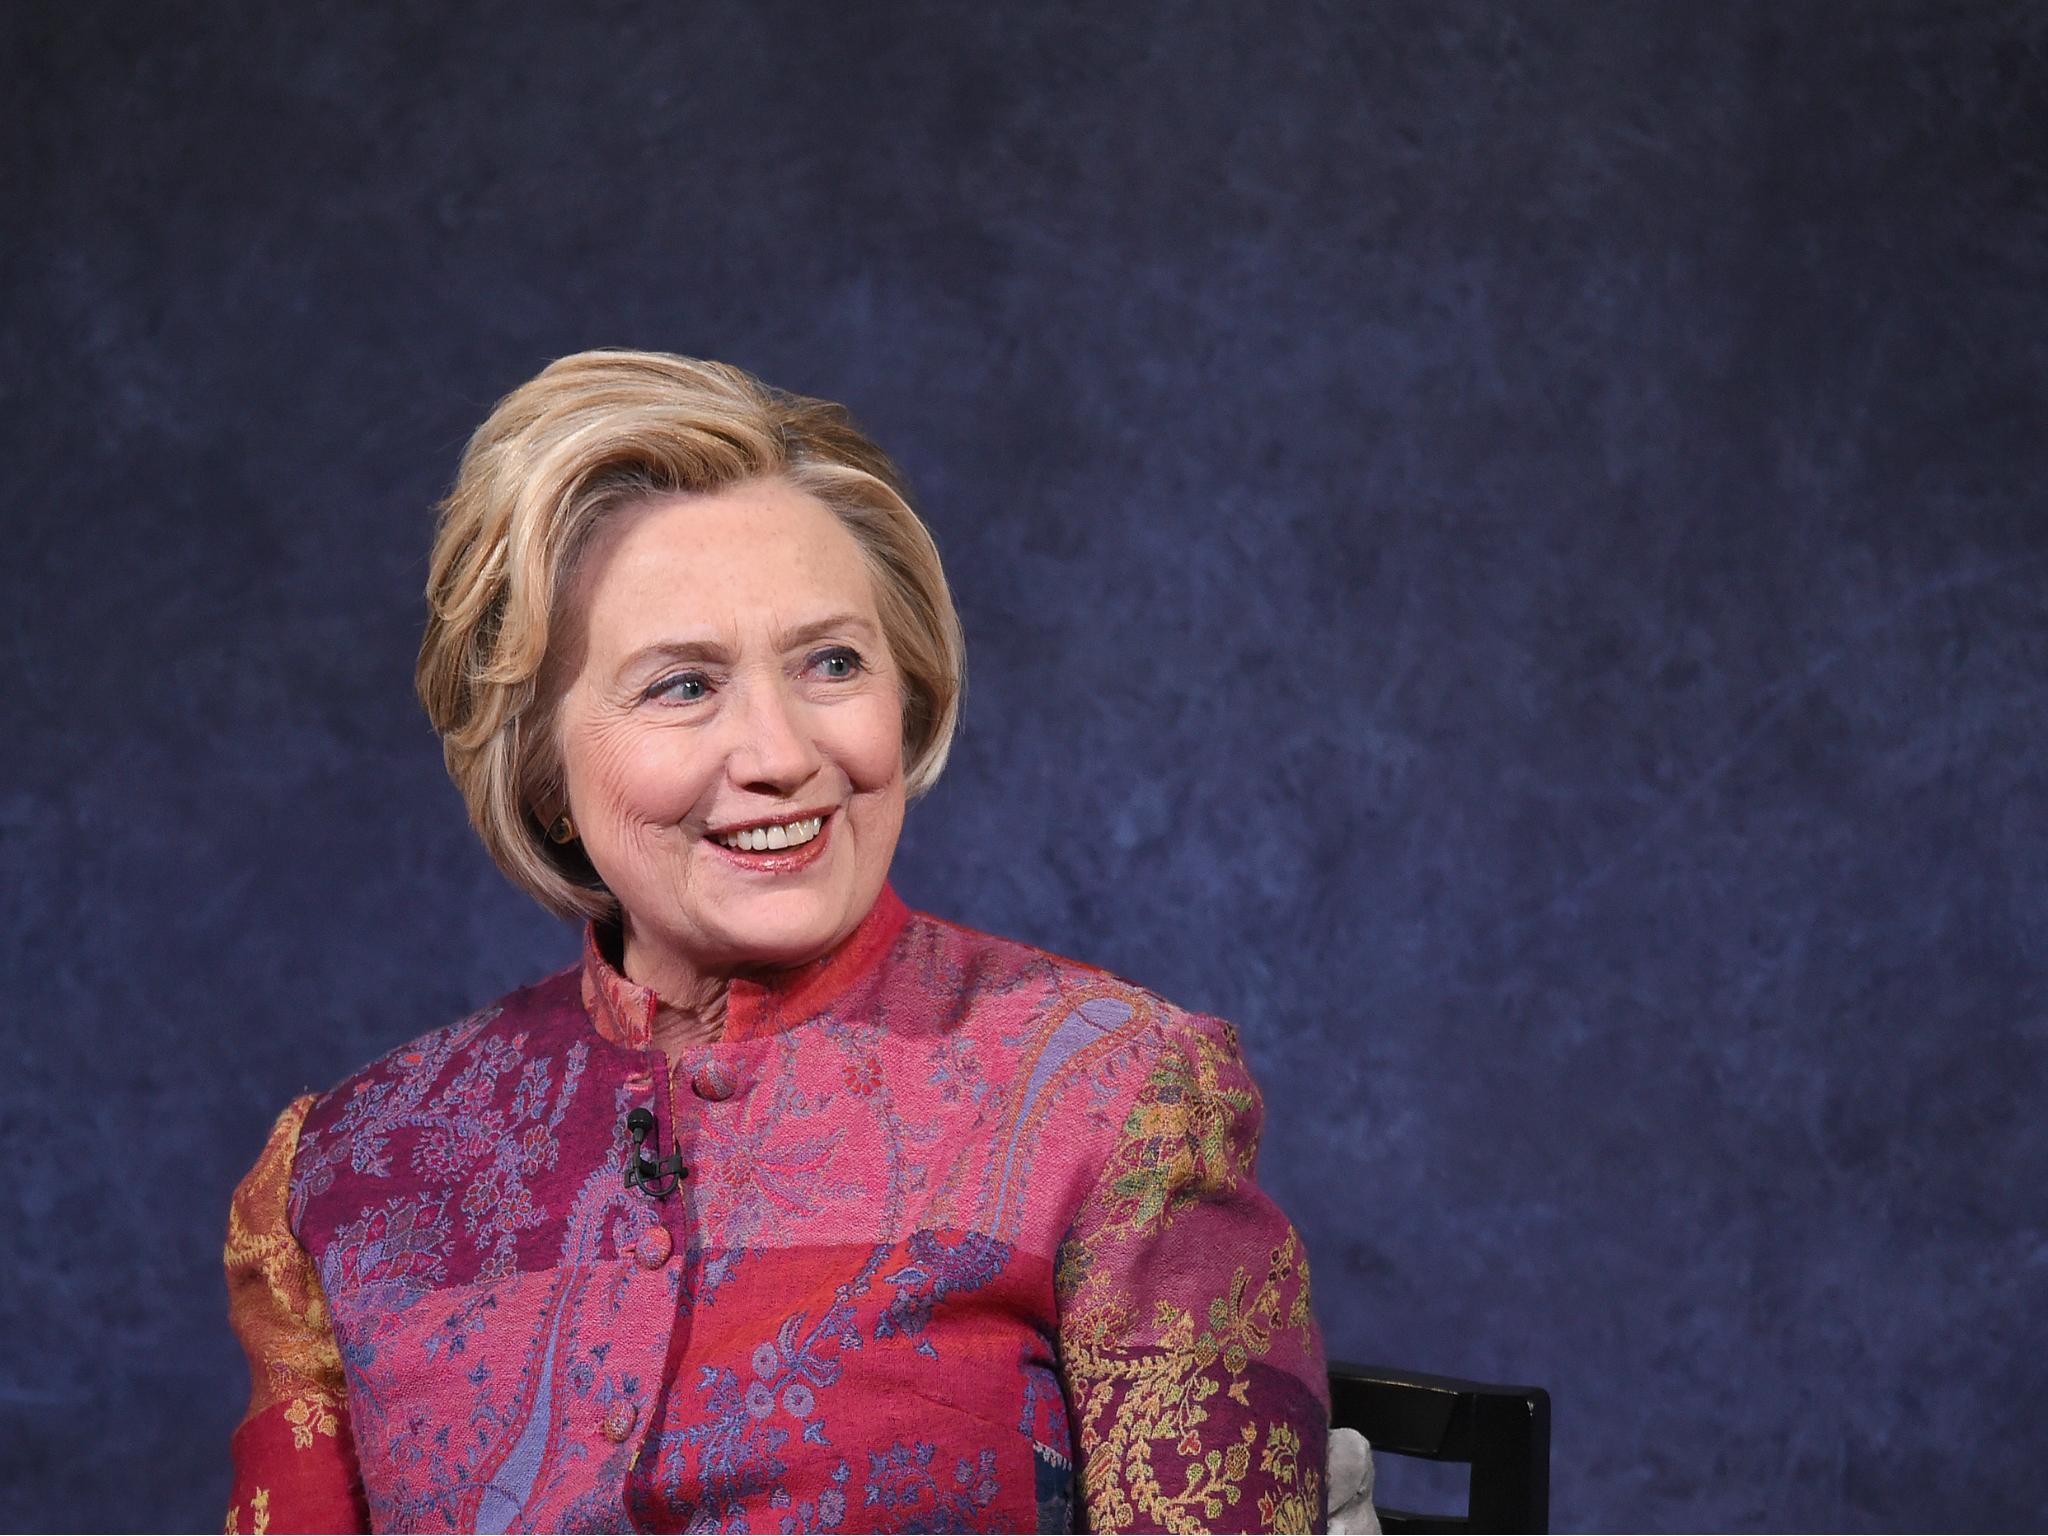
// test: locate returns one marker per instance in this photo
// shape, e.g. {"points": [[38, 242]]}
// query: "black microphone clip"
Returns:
{"points": [[644, 1173]]}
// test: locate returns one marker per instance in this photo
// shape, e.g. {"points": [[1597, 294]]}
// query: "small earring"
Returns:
{"points": [[562, 829]]}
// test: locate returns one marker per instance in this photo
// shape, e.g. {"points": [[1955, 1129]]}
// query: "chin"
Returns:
{"points": [[785, 929]]}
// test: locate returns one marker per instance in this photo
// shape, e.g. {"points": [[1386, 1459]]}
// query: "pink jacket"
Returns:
{"points": [[969, 1240]]}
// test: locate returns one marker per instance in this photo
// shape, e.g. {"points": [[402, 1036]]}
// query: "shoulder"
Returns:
{"points": [[1115, 1018], [256, 1209], [540, 1008], [351, 1121]]}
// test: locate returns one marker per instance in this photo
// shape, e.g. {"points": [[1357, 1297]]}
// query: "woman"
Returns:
{"points": [[786, 1207]]}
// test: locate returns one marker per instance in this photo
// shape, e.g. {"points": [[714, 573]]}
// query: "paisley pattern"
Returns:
{"points": [[970, 1241]]}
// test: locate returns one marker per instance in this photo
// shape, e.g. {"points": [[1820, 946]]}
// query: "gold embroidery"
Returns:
{"points": [[1177, 1145], [1139, 1409], [308, 1416], [1299, 1499], [274, 1296], [259, 1515]]}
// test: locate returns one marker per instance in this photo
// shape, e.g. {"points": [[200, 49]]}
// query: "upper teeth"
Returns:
{"points": [[789, 834]]}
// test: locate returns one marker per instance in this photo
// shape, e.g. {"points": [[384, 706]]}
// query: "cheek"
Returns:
{"points": [[870, 745], [632, 777]]}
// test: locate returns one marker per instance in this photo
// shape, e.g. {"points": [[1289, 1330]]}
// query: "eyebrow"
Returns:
{"points": [[717, 652]]}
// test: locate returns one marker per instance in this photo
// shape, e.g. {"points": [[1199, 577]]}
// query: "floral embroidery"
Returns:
{"points": [[736, 1447], [461, 1131], [735, 1456], [519, 1358], [902, 1486], [259, 1515], [892, 1173], [936, 1271], [1133, 1404], [1171, 1392], [957, 1070], [1177, 1145], [773, 1165], [309, 1416], [279, 1306], [823, 1514], [981, 1287], [863, 1074], [1295, 1502], [793, 1363], [388, 1259]]}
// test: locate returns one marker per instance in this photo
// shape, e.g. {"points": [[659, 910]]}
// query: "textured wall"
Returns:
{"points": [[1502, 548]]}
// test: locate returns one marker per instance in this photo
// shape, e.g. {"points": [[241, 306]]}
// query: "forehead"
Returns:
{"points": [[763, 554]]}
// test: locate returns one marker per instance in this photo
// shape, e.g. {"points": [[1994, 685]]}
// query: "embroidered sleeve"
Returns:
{"points": [[1193, 1364], [294, 1460]]}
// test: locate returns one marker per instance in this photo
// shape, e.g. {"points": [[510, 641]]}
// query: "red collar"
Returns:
{"points": [[623, 1010]]}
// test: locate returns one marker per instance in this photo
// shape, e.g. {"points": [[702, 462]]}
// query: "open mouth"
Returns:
{"points": [[774, 837], [775, 847]]}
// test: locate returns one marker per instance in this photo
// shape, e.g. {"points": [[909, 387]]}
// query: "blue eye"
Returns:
{"points": [[839, 663], [685, 686]]}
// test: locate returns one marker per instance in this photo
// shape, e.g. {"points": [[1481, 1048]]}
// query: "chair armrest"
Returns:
{"points": [[1502, 1431]]}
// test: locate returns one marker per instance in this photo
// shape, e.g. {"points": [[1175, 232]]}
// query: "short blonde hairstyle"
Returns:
{"points": [[590, 435]]}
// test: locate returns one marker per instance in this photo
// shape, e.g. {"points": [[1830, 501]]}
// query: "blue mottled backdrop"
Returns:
{"points": [[1503, 548]]}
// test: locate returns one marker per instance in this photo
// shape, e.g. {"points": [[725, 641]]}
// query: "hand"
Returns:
{"points": [[1351, 1511]]}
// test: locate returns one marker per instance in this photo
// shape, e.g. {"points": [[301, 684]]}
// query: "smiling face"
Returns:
{"points": [[731, 732]]}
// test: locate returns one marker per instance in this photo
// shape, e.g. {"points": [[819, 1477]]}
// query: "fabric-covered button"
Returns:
{"points": [[653, 1247], [619, 1420], [712, 1082]]}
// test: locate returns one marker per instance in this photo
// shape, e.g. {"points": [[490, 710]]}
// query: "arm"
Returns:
{"points": [[294, 1459], [1192, 1362]]}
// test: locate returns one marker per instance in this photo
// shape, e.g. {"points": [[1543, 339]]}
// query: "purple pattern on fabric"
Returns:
{"points": [[513, 1351], [1082, 1027], [938, 1270]]}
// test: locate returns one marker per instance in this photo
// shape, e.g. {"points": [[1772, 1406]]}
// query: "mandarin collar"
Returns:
{"points": [[755, 1006]]}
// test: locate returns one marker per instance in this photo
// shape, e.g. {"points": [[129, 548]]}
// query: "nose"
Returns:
{"points": [[772, 750]]}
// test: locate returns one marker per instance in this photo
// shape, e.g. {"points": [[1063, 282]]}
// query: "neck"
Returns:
{"points": [[692, 1002], [676, 1028]]}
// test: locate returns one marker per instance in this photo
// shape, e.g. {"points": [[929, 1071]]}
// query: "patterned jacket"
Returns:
{"points": [[969, 1240]]}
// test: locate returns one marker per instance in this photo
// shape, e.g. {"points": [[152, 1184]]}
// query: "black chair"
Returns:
{"points": [[1502, 1432]]}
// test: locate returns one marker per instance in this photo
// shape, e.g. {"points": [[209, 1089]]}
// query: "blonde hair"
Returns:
{"points": [[589, 435]]}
